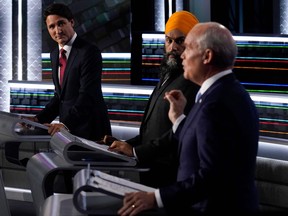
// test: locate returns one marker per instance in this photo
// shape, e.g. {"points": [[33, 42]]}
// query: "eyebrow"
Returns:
{"points": [[181, 37]]}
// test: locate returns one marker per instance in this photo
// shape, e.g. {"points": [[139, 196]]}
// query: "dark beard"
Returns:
{"points": [[170, 69]]}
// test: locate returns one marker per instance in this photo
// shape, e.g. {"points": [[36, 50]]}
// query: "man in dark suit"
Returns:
{"points": [[162, 165], [78, 101], [218, 140]]}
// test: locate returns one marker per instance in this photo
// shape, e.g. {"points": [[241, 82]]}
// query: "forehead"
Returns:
{"points": [[55, 18], [175, 33], [190, 38]]}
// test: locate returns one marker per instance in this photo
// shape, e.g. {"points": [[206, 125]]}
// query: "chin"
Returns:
{"points": [[171, 62], [185, 75]]}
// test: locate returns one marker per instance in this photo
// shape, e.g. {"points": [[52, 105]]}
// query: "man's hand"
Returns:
{"points": [[30, 118], [56, 127], [177, 104], [107, 140], [121, 147], [133, 203]]}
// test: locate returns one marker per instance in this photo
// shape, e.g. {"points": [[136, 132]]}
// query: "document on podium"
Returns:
{"points": [[14, 127], [87, 181], [80, 151]]}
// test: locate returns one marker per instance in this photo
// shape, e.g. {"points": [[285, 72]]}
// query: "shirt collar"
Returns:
{"points": [[68, 46], [207, 83]]}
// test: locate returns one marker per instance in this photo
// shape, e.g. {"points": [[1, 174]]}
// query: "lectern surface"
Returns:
{"points": [[79, 151], [15, 128]]}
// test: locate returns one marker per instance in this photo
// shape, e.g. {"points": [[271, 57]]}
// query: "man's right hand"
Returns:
{"points": [[107, 140], [30, 118], [116, 145], [121, 147], [177, 104]]}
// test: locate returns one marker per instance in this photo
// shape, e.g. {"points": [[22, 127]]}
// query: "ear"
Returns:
{"points": [[207, 56], [72, 22]]}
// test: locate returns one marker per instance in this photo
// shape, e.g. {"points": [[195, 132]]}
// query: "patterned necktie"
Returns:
{"points": [[62, 64]]}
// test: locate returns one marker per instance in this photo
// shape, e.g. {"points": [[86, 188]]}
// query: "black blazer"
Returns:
{"points": [[79, 104], [162, 162], [218, 145]]}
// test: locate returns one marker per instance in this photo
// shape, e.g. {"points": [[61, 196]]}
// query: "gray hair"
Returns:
{"points": [[220, 40]]}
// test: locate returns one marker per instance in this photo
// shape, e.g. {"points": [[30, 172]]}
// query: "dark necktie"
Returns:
{"points": [[163, 79], [62, 64]]}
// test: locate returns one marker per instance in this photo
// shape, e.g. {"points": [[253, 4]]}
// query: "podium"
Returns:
{"points": [[79, 151], [90, 183], [95, 193], [4, 205], [71, 154], [13, 133], [11, 129]]}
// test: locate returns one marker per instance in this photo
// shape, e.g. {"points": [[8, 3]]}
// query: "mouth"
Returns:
{"points": [[60, 37], [171, 56]]}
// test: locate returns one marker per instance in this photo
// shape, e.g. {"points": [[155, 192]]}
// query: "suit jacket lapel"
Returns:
{"points": [[70, 61], [55, 69], [197, 106], [151, 104], [157, 92], [191, 117]]}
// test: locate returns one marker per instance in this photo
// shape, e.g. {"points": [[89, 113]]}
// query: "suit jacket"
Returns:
{"points": [[79, 104], [155, 123], [218, 145]]}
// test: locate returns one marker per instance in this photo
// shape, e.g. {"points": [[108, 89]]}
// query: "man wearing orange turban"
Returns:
{"points": [[177, 27], [162, 164], [181, 20]]}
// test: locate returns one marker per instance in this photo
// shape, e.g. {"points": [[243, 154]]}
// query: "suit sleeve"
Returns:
{"points": [[51, 110], [146, 154]]}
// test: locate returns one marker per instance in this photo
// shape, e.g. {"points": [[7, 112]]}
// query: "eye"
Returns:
{"points": [[179, 40], [61, 23], [168, 40], [51, 26]]}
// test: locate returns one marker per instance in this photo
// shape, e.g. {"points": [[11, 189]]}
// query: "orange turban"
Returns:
{"points": [[181, 20]]}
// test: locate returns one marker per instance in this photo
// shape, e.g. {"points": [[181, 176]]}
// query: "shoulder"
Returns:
{"points": [[186, 85], [81, 43], [55, 51], [86, 50]]}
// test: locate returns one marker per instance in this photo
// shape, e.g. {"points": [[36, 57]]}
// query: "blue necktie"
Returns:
{"points": [[198, 97]]}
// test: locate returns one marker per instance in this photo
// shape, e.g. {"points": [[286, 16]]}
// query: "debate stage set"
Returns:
{"points": [[69, 175]]}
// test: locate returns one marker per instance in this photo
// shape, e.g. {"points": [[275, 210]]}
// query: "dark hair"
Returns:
{"points": [[58, 9]]}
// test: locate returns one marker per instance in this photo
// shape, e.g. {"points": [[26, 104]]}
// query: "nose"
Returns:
{"points": [[174, 46], [182, 55], [58, 29]]}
